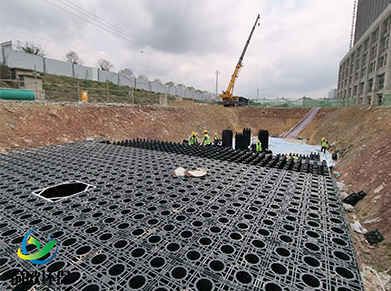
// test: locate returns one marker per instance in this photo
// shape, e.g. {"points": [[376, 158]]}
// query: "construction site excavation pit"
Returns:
{"points": [[136, 227]]}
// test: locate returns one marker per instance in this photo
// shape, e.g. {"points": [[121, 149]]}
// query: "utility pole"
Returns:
{"points": [[217, 81]]}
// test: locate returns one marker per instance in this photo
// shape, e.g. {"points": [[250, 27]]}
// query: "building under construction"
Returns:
{"points": [[365, 71]]}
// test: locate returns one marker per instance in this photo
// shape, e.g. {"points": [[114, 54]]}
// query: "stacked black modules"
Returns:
{"points": [[136, 227], [263, 137]]}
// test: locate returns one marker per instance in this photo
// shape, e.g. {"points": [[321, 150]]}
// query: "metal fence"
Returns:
{"points": [[15, 59]]}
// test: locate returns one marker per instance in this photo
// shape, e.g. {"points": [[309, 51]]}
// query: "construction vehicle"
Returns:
{"points": [[227, 95]]}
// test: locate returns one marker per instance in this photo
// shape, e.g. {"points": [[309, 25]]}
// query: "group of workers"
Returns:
{"points": [[193, 139]]}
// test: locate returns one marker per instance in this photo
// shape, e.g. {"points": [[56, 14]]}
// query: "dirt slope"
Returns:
{"points": [[29, 124], [363, 135]]}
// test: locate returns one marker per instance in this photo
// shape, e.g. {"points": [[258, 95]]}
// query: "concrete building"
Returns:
{"points": [[365, 72], [27, 79]]}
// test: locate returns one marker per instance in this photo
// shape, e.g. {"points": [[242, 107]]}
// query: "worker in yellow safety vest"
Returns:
{"points": [[258, 146], [325, 145], [193, 138], [216, 139], [206, 140]]}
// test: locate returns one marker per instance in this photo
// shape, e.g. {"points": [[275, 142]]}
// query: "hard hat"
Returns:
{"points": [[193, 133], [215, 133], [323, 138], [205, 131], [258, 140]]}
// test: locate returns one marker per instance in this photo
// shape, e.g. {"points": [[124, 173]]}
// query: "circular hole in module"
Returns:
{"points": [[157, 262], [168, 227], [283, 252], [116, 269], [9, 232], [258, 243], [268, 222], [198, 223], [344, 272], [123, 225], [105, 236], [109, 220], [248, 216], [193, 255], [230, 211], [71, 278], [92, 287], [227, 249], [217, 265], [91, 229], [17, 240], [235, 236], [69, 242], [79, 223], [312, 234], [312, 247], [139, 252], [272, 287], [205, 241], [137, 282], [55, 267], [120, 244], [341, 255], [313, 223], [286, 238], [251, 258], [291, 218], [186, 234], [154, 239], [243, 277], [310, 261], [337, 230], [99, 259], [179, 273], [138, 231], [3, 261], [278, 268], [335, 220], [310, 280], [242, 225], [83, 250], [288, 227], [206, 214], [139, 216], [223, 219], [204, 285], [181, 218], [313, 215], [215, 229], [173, 247], [9, 274], [339, 241], [263, 232]]}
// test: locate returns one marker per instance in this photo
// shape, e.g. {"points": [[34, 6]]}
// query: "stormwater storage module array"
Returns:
{"points": [[116, 219]]}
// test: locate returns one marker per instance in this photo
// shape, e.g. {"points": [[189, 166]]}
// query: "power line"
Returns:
{"points": [[109, 27]]}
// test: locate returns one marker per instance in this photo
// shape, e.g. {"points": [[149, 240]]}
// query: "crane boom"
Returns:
{"points": [[227, 95]]}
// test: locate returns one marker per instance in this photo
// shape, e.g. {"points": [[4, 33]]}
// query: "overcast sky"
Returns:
{"points": [[294, 52]]}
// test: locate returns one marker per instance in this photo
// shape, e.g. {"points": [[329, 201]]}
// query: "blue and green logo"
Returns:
{"points": [[36, 257]]}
